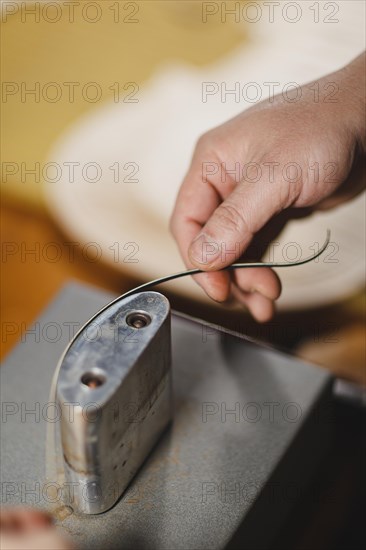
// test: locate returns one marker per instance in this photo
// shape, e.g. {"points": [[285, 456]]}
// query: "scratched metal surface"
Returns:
{"points": [[204, 478]]}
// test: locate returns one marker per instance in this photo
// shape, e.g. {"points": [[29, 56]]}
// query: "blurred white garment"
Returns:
{"points": [[139, 153]]}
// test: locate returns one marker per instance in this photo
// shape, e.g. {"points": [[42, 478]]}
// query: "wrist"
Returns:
{"points": [[352, 84]]}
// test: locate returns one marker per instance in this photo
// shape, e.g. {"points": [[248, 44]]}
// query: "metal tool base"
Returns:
{"points": [[249, 426]]}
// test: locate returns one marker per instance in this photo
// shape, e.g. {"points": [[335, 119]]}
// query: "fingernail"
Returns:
{"points": [[204, 250]]}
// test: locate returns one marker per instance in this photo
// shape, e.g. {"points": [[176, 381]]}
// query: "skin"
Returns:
{"points": [[29, 529], [220, 211]]}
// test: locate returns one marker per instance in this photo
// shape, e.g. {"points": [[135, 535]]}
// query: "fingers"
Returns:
{"points": [[23, 519], [262, 280], [231, 227], [213, 226], [196, 201], [257, 288], [216, 285], [260, 307], [29, 529]]}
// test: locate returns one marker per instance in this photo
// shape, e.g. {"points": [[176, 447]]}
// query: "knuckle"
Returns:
{"points": [[206, 141], [230, 217], [201, 139], [285, 196], [201, 142]]}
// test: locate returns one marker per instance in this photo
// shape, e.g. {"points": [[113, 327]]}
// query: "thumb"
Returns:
{"points": [[228, 232]]}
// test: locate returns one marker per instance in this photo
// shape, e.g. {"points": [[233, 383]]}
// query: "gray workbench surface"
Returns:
{"points": [[207, 474]]}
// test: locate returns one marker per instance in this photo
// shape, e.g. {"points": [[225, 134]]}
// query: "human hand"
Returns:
{"points": [[280, 159]]}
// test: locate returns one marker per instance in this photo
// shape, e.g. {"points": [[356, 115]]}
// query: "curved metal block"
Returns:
{"points": [[114, 389]]}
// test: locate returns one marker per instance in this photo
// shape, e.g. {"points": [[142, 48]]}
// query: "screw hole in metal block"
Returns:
{"points": [[138, 319], [92, 380]]}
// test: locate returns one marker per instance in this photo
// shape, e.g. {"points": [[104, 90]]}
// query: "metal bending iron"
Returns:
{"points": [[114, 390]]}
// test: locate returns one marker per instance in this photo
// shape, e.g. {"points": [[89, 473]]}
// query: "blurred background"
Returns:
{"points": [[102, 103]]}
